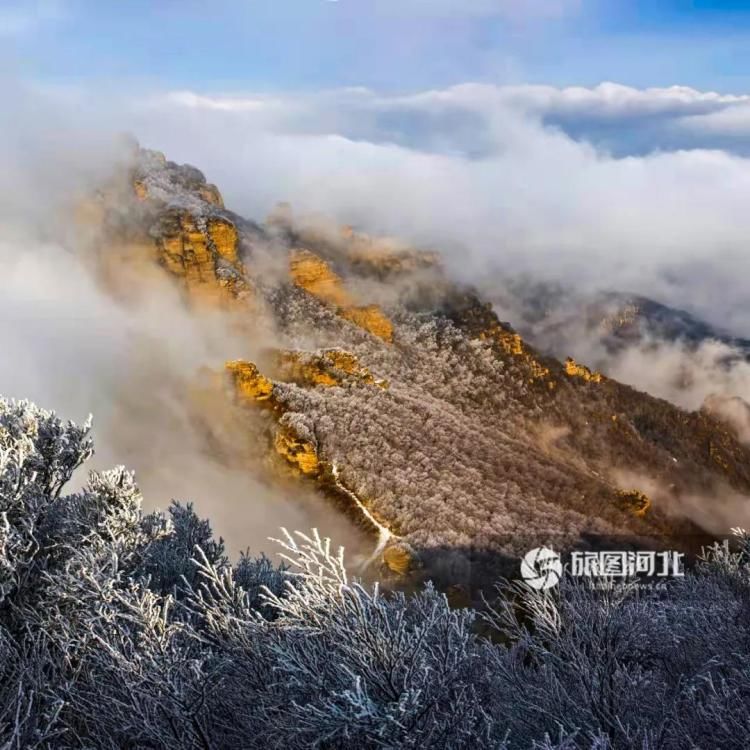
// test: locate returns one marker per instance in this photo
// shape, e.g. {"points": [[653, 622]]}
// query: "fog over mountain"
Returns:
{"points": [[568, 461], [511, 179]]}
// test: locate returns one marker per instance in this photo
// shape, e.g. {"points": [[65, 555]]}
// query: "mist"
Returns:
{"points": [[139, 361], [492, 185], [490, 176]]}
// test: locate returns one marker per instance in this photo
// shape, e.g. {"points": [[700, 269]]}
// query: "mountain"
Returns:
{"points": [[613, 319], [624, 318], [400, 396]]}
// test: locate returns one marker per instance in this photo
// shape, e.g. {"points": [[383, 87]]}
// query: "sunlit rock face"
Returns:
{"points": [[203, 255], [372, 319], [401, 396], [577, 370], [295, 442], [161, 214], [315, 276], [329, 367], [249, 384]]}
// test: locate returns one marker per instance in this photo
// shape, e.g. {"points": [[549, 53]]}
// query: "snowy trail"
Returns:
{"points": [[384, 534]]}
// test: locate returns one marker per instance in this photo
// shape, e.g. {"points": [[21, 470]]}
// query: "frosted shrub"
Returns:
{"points": [[124, 629]]}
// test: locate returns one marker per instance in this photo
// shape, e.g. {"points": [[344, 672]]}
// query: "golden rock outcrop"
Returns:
{"points": [[204, 256], [576, 370], [289, 442], [372, 319], [293, 438], [130, 225], [297, 450], [250, 385], [478, 320], [331, 367], [513, 344], [314, 275]]}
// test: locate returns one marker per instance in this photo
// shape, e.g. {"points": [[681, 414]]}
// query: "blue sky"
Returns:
{"points": [[388, 45]]}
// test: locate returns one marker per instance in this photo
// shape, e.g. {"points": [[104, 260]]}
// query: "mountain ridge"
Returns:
{"points": [[479, 445]]}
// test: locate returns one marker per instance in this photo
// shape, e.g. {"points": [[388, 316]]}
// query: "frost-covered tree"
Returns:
{"points": [[120, 629]]}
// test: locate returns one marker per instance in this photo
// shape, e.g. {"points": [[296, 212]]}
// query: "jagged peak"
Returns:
{"points": [[179, 186]]}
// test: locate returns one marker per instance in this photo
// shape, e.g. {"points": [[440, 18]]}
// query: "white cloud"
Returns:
{"points": [[477, 171], [227, 103], [606, 99], [633, 120], [732, 121], [615, 100]]}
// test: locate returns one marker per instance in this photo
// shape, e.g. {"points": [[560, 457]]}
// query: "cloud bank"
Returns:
{"points": [[504, 179]]}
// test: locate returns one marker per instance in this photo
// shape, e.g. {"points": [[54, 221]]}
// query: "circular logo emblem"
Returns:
{"points": [[541, 568]]}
